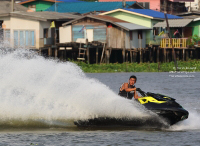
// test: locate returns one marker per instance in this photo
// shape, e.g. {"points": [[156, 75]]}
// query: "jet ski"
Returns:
{"points": [[164, 108]]}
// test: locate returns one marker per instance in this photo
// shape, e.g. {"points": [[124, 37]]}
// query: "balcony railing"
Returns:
{"points": [[177, 43]]}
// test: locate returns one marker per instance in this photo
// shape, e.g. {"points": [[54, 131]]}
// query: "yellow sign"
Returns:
{"points": [[52, 24]]}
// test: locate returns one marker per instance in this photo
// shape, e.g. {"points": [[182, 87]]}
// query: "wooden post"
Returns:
{"points": [[49, 51], [123, 54], [88, 55], [104, 45], [153, 56], [150, 54], [97, 53], [131, 56], [65, 54], [187, 54], [56, 52], [107, 56], [134, 56], [141, 58], [168, 55], [164, 54], [157, 60], [144, 55], [183, 54], [126, 56]]}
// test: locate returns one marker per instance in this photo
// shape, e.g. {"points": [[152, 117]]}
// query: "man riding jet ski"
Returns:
{"points": [[163, 106]]}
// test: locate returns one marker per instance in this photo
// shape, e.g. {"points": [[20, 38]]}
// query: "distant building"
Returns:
{"points": [[192, 6], [169, 6], [90, 7], [32, 30], [41, 5], [144, 17]]}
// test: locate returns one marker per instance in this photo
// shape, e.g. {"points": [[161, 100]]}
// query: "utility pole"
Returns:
{"points": [[173, 53], [12, 5]]}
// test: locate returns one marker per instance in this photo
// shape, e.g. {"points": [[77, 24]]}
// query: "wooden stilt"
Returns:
{"points": [[183, 55], [104, 45], [144, 55], [164, 54], [56, 52], [88, 55], [49, 51], [107, 56], [135, 56], [131, 56], [141, 57], [157, 60], [97, 53], [123, 54], [150, 54], [154, 49], [187, 54], [167, 55], [126, 56]]}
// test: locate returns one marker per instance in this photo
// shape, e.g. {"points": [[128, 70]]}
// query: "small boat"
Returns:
{"points": [[164, 107]]}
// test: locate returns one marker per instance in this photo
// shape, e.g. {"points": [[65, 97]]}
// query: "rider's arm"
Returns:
{"points": [[136, 95], [127, 89]]}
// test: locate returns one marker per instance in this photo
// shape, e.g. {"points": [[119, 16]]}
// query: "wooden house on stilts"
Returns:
{"points": [[104, 38]]}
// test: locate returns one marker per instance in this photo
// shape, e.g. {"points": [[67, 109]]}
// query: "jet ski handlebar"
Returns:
{"points": [[141, 92]]}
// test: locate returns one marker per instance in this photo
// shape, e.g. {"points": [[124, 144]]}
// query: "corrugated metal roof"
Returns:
{"points": [[43, 16], [53, 1], [152, 13], [174, 23], [120, 23], [86, 7], [5, 7], [132, 26]]}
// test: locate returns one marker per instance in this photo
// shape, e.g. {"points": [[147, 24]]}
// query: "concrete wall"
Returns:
{"points": [[65, 34]]}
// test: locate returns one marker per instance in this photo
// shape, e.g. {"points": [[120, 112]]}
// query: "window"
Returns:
{"points": [[24, 38], [139, 34]]}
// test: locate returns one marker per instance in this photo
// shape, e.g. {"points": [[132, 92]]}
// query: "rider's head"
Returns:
{"points": [[132, 80]]}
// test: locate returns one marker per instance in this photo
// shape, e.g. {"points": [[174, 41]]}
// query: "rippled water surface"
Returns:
{"points": [[40, 99]]}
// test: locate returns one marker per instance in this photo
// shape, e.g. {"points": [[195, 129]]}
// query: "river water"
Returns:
{"points": [[40, 99]]}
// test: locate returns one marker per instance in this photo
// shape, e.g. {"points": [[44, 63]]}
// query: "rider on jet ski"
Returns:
{"points": [[128, 90]]}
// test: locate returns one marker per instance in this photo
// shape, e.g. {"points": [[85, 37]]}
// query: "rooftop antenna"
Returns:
{"points": [[12, 5]]}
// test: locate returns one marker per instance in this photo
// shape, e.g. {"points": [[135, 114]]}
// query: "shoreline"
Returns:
{"points": [[190, 66]]}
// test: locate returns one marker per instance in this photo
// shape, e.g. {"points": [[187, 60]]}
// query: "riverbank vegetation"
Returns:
{"points": [[189, 66]]}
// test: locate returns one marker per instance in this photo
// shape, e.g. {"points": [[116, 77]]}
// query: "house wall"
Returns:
{"points": [[13, 23], [40, 5], [195, 27], [135, 42], [116, 38], [147, 22], [44, 24], [65, 34]]}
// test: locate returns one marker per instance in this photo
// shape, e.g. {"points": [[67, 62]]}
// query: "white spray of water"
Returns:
{"points": [[192, 123], [34, 88]]}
